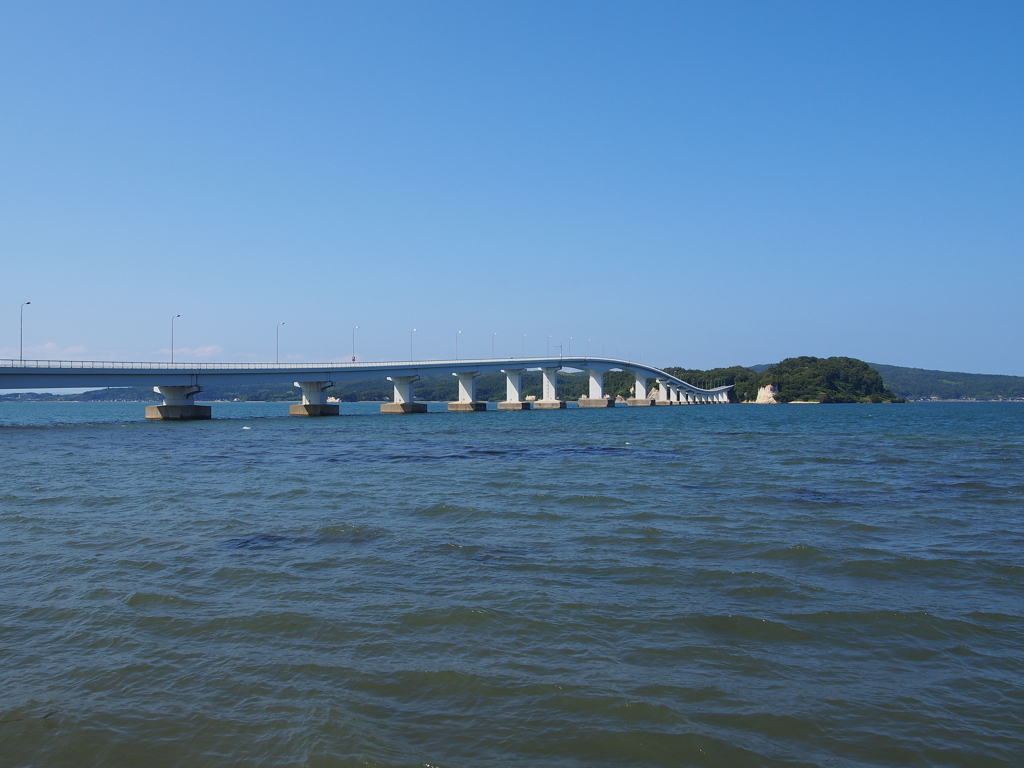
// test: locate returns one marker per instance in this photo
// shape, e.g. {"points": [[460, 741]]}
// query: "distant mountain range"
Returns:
{"points": [[922, 384]]}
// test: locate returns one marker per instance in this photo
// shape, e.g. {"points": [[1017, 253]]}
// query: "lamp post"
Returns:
{"points": [[570, 346], [21, 348], [549, 344], [354, 343], [172, 339], [588, 347], [457, 344], [492, 344], [277, 344], [410, 343], [524, 345]]}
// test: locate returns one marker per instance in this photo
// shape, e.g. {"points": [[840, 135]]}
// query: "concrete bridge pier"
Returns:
{"points": [[549, 388], [596, 398], [664, 398], [640, 391], [178, 405], [467, 401], [403, 402], [513, 392], [314, 401]]}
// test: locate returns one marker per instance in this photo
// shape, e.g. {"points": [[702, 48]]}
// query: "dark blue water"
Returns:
{"points": [[714, 586]]}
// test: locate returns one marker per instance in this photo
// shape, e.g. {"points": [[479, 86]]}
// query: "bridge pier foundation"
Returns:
{"points": [[549, 384], [595, 397], [403, 402], [663, 394], [314, 401], [178, 405], [513, 392], [640, 390], [467, 402]]}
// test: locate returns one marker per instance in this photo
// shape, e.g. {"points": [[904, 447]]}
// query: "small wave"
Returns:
{"points": [[151, 598], [739, 625], [263, 541], [594, 500], [802, 553]]}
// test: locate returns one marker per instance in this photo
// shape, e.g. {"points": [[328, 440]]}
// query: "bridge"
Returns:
{"points": [[179, 383]]}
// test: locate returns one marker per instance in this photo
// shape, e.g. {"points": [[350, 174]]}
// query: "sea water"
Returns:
{"points": [[715, 586]]}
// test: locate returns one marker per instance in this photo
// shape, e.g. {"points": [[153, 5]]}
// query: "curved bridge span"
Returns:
{"points": [[178, 383]]}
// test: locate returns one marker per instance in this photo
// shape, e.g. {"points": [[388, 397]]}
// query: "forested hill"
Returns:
{"points": [[799, 379], [921, 384], [827, 380]]}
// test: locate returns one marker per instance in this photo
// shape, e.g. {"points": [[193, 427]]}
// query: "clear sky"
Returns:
{"points": [[702, 183]]}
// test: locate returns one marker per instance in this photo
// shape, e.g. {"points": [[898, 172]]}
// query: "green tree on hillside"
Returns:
{"points": [[827, 380]]}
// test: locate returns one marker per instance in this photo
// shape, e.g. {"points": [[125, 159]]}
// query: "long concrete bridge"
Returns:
{"points": [[179, 383]]}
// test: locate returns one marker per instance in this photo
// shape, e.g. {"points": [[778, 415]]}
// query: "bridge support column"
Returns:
{"points": [[663, 395], [178, 405], [549, 384], [640, 392], [596, 398], [467, 401], [513, 392], [403, 402], [314, 401]]}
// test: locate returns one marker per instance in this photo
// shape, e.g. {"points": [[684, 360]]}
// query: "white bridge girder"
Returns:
{"points": [[179, 377]]}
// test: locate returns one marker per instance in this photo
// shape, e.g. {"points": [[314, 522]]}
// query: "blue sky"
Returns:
{"points": [[701, 184]]}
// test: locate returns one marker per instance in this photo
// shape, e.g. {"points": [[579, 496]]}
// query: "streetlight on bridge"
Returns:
{"points": [[492, 344], [524, 345], [172, 338], [277, 344], [21, 348], [410, 343], [354, 343], [457, 344]]}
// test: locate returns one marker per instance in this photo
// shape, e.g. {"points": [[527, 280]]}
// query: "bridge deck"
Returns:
{"points": [[29, 374]]}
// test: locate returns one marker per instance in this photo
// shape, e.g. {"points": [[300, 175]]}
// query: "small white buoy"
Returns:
{"points": [[246, 427]]}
